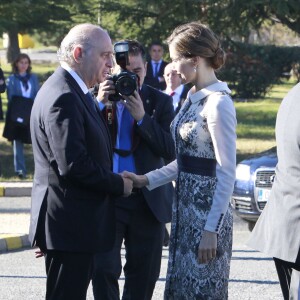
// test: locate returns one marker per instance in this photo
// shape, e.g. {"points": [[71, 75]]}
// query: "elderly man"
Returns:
{"points": [[72, 212], [175, 88]]}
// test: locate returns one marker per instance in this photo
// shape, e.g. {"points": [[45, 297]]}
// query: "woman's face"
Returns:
{"points": [[183, 66], [22, 65]]}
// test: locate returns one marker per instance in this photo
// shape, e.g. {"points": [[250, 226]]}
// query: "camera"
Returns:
{"points": [[125, 82]]}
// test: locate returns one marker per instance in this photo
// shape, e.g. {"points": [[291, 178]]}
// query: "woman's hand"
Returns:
{"points": [[208, 247], [139, 181]]}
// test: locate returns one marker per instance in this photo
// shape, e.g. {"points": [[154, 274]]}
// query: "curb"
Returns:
{"points": [[16, 189], [13, 242]]}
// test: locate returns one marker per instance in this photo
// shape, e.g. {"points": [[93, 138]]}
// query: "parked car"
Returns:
{"points": [[254, 178]]}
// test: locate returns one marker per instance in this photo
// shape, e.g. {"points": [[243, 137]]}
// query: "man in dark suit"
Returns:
{"points": [[72, 212], [142, 140], [277, 231], [155, 67]]}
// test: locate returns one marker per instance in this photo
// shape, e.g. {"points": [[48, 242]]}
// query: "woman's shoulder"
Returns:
{"points": [[220, 98]]}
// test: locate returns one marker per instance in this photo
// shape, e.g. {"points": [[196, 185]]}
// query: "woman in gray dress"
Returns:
{"points": [[205, 140]]}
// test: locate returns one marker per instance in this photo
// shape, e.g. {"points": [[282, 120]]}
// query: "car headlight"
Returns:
{"points": [[243, 172]]}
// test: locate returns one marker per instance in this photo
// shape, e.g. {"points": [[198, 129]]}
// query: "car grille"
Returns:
{"points": [[264, 178], [241, 204], [261, 205]]}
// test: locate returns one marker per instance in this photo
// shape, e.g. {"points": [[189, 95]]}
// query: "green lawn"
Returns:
{"points": [[255, 130], [256, 121]]}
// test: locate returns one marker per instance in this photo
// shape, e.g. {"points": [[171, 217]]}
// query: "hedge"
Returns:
{"points": [[251, 70]]}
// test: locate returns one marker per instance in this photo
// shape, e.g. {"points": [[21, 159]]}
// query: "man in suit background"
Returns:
{"points": [[155, 67], [277, 230], [72, 211], [142, 140], [175, 88]]}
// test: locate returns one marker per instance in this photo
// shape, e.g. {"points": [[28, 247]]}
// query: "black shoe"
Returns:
{"points": [[21, 175]]}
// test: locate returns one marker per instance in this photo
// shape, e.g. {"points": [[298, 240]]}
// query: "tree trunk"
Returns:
{"points": [[13, 49]]}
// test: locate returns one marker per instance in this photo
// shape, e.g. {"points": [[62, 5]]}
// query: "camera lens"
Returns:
{"points": [[125, 85]]}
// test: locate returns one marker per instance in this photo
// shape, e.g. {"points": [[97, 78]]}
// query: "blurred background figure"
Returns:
{"points": [[22, 86], [2, 90], [175, 88], [155, 67]]}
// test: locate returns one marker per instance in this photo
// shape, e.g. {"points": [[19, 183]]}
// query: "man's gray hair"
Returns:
{"points": [[82, 35]]}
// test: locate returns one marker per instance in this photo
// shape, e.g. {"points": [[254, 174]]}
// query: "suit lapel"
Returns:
{"points": [[96, 114], [145, 96]]}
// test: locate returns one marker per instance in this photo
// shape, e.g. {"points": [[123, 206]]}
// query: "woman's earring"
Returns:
{"points": [[195, 69]]}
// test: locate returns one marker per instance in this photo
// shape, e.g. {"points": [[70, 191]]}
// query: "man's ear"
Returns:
{"points": [[146, 64], [77, 53]]}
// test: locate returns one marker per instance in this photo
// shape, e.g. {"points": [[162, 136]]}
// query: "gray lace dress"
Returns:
{"points": [[194, 209]]}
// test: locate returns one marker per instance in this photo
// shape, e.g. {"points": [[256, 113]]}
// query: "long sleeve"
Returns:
{"points": [[221, 121], [162, 176]]}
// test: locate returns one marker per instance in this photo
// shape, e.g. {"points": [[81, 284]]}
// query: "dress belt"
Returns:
{"points": [[196, 165]]}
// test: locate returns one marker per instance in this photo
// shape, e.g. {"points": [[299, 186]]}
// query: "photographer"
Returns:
{"points": [[139, 126]]}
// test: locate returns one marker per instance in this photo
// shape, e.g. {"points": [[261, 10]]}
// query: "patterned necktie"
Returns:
{"points": [[172, 94]]}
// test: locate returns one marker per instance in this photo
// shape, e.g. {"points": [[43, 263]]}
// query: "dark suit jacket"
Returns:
{"points": [[73, 180], [155, 144], [277, 231], [153, 81]]}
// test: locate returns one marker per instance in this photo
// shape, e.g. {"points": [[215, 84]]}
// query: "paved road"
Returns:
{"points": [[22, 276]]}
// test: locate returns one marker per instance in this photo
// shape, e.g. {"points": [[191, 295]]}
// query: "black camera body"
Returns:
{"points": [[125, 82]]}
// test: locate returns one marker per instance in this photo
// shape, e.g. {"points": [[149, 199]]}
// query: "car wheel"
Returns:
{"points": [[251, 225]]}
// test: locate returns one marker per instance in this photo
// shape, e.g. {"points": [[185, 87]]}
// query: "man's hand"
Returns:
{"points": [[128, 185], [208, 247], [39, 253], [139, 181], [106, 88], [135, 106]]}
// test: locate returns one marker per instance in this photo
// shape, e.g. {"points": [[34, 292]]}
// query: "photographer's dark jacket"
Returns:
{"points": [[152, 143]]}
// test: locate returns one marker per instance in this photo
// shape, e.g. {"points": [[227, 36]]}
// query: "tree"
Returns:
{"points": [[24, 16]]}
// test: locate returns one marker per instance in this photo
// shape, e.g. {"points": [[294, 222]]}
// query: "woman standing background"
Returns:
{"points": [[205, 140], [2, 90], [25, 84]]}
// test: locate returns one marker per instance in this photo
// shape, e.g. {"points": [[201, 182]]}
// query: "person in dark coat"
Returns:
{"points": [[72, 210], [155, 67], [2, 90], [141, 136]]}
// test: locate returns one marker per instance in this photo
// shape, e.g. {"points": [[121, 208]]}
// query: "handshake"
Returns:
{"points": [[132, 180]]}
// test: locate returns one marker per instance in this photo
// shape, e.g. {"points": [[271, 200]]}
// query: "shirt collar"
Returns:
{"points": [[76, 77], [216, 87], [156, 62], [178, 90]]}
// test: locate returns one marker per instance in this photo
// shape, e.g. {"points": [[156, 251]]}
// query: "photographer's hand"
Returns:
{"points": [[106, 88], [135, 106]]}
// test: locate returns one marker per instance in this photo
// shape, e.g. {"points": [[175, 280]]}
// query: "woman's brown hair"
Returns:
{"points": [[20, 57], [196, 39]]}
